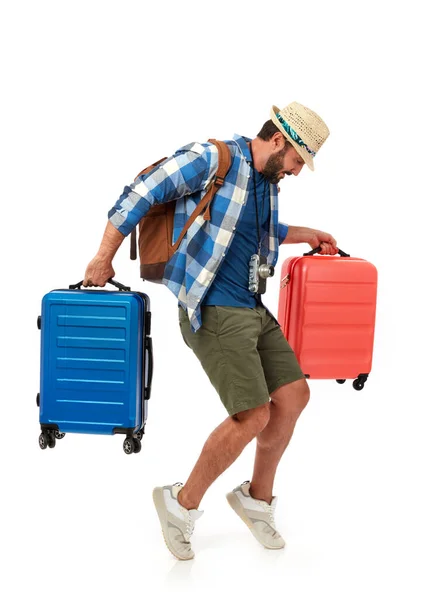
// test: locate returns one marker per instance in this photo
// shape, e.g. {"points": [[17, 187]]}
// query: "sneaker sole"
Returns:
{"points": [[161, 509], [236, 505]]}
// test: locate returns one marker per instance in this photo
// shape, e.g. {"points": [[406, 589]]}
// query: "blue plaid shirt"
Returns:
{"points": [[185, 177]]}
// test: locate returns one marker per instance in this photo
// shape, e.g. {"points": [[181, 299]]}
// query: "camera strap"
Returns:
{"points": [[256, 203]]}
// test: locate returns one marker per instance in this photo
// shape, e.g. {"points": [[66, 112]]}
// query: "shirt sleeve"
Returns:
{"points": [[282, 232], [189, 170]]}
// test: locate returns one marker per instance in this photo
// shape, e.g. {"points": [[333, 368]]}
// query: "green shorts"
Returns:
{"points": [[243, 352]]}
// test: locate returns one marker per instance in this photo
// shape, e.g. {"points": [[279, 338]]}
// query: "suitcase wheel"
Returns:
{"points": [[358, 384], [46, 439], [128, 445], [131, 444], [39, 322], [43, 441], [38, 399], [341, 380]]}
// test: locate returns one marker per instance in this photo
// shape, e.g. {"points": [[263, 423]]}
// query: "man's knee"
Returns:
{"points": [[292, 397], [255, 418]]}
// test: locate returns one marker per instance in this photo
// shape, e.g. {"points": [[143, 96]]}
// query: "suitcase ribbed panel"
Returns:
{"points": [[91, 363], [331, 315]]}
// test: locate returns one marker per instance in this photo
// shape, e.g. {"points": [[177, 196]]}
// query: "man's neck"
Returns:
{"points": [[259, 153]]}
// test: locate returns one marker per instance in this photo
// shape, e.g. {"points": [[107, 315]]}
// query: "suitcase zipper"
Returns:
{"points": [[285, 281], [289, 296]]}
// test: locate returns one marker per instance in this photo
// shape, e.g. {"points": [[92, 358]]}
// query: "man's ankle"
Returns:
{"points": [[185, 501], [260, 497]]}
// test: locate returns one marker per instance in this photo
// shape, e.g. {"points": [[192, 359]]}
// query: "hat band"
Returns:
{"points": [[294, 135]]}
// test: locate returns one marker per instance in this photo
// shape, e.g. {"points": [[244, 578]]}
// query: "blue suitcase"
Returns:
{"points": [[96, 364]]}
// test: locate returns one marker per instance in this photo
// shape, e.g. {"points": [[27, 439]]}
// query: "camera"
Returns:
{"points": [[259, 271]]}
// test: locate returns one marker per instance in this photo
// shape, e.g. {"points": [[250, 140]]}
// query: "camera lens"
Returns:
{"points": [[266, 271]]}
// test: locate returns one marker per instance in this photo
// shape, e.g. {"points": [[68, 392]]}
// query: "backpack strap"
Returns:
{"points": [[224, 162], [151, 167]]}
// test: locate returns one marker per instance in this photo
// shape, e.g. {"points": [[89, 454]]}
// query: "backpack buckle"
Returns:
{"points": [[219, 181]]}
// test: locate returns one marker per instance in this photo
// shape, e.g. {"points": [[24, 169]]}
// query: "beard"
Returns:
{"points": [[275, 165]]}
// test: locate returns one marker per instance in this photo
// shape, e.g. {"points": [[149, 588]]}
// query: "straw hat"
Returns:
{"points": [[303, 128]]}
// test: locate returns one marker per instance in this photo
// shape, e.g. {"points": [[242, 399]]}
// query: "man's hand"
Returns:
{"points": [[100, 268], [98, 272], [314, 237], [326, 242]]}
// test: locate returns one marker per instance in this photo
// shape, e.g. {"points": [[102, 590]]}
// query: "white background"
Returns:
{"points": [[94, 91]]}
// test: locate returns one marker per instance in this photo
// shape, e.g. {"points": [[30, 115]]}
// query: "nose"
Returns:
{"points": [[297, 170]]}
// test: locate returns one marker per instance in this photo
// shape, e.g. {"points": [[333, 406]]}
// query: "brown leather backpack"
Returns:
{"points": [[156, 227]]}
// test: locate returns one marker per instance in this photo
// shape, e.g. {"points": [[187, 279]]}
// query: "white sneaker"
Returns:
{"points": [[176, 521], [257, 514]]}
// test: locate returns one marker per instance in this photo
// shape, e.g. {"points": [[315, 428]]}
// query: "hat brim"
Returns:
{"points": [[301, 151]]}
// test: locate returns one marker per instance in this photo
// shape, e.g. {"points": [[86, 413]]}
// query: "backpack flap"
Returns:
{"points": [[133, 252]]}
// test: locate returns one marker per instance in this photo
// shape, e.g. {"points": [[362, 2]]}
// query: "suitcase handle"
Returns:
{"points": [[120, 286], [149, 351], [316, 250]]}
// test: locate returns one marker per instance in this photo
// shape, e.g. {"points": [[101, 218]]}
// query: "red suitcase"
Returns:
{"points": [[327, 308]]}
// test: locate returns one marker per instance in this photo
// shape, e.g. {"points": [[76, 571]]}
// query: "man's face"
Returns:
{"points": [[283, 162]]}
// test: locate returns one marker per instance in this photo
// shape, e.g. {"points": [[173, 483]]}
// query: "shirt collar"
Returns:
{"points": [[242, 141]]}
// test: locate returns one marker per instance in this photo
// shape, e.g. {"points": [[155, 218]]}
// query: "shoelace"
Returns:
{"points": [[191, 521], [271, 511], [190, 526]]}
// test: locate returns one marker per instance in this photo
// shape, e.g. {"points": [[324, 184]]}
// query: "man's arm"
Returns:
{"points": [[187, 171], [100, 268], [313, 237]]}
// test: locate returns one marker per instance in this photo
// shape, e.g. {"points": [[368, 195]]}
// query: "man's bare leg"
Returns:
{"points": [[221, 449], [287, 403]]}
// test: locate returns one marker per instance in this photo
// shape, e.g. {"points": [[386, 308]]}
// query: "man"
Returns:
{"points": [[238, 342]]}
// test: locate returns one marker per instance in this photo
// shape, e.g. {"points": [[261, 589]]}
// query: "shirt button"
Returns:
{"points": [[233, 228], [223, 254]]}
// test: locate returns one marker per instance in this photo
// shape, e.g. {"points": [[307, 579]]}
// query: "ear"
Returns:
{"points": [[278, 141]]}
